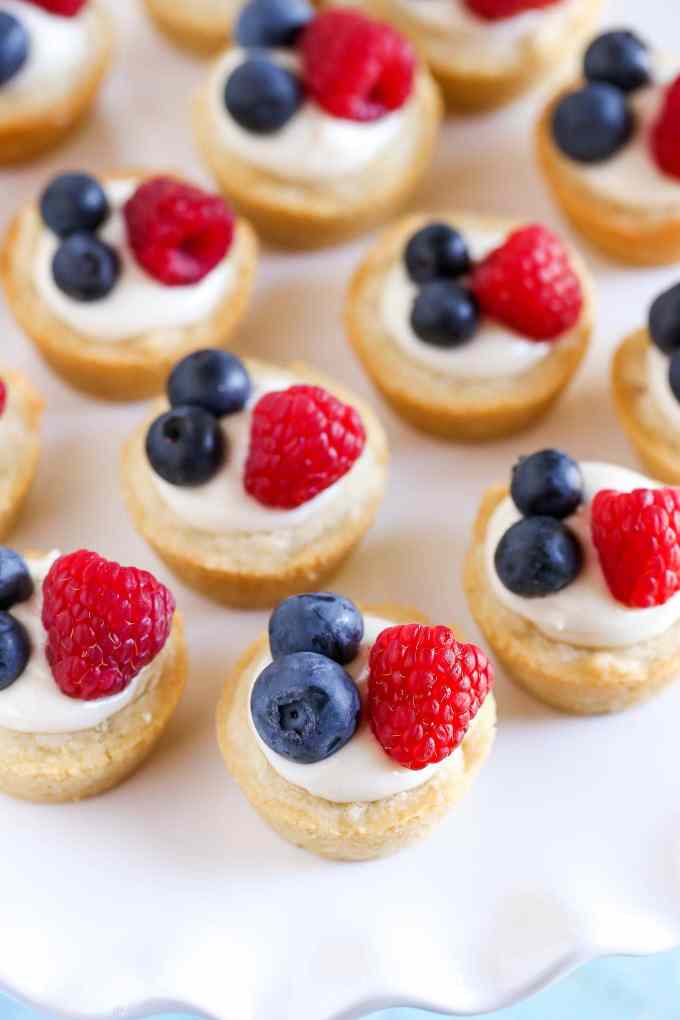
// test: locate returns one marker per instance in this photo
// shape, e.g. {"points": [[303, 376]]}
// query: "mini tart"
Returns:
{"points": [[439, 404], [114, 370], [29, 126], [489, 81], [300, 214], [250, 570], [17, 475], [202, 25], [349, 832]]}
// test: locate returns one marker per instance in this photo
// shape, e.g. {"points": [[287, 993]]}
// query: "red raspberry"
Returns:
{"points": [[3, 396], [494, 10], [301, 441], [665, 136], [355, 67], [424, 690], [528, 284], [104, 623], [67, 8], [637, 536], [177, 232]]}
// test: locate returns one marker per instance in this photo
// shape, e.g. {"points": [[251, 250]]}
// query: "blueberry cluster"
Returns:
{"points": [[186, 445], [445, 312], [74, 206], [664, 330], [594, 122], [304, 705], [260, 94], [15, 45], [539, 555], [16, 585]]}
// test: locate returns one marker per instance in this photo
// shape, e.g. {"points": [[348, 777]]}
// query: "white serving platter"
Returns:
{"points": [[170, 891]]}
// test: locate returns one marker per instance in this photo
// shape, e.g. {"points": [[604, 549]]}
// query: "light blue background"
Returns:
{"points": [[646, 988]]}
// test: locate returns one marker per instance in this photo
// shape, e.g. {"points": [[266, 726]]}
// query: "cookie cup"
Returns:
{"points": [[256, 569], [443, 405], [56, 768], [309, 214], [355, 831], [19, 464], [128, 369], [202, 27], [32, 125], [583, 681]]}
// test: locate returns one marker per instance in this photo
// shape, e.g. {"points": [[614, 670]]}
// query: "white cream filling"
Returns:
{"points": [[59, 50], [659, 386], [360, 771], [584, 613], [34, 703], [493, 352], [223, 505], [312, 145], [137, 304]]}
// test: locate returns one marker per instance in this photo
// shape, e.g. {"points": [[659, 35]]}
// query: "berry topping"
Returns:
{"points": [[538, 556], [665, 137], [320, 622], [186, 446], [620, 58], [424, 690], [529, 285], [66, 8], [72, 203], [444, 314], [15, 649], [14, 46], [436, 251], [85, 268], [592, 123], [495, 10], [272, 23], [636, 535], [355, 67], [177, 232], [3, 396], [16, 583], [547, 484], [302, 440], [305, 707], [104, 623], [262, 96], [212, 379], [664, 320]]}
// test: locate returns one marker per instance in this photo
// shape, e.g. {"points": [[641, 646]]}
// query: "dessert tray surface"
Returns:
{"points": [[170, 891]]}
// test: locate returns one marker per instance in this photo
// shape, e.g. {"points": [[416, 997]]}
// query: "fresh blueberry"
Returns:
{"points": [[593, 123], [305, 707], [444, 314], [212, 379], [14, 46], [321, 622], [664, 320], [620, 58], [186, 446], [16, 584], [674, 374], [85, 268], [262, 96], [538, 556], [272, 23], [547, 484], [15, 648], [436, 251], [72, 203]]}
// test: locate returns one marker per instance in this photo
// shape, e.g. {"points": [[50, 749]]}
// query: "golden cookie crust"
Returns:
{"points": [[92, 761], [583, 681], [244, 570], [471, 411], [345, 832], [308, 215], [16, 479], [202, 31], [122, 370]]}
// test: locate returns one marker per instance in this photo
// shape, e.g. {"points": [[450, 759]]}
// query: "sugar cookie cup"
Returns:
{"points": [[121, 346], [351, 830], [242, 552], [442, 393], [38, 110], [19, 445], [203, 26]]}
